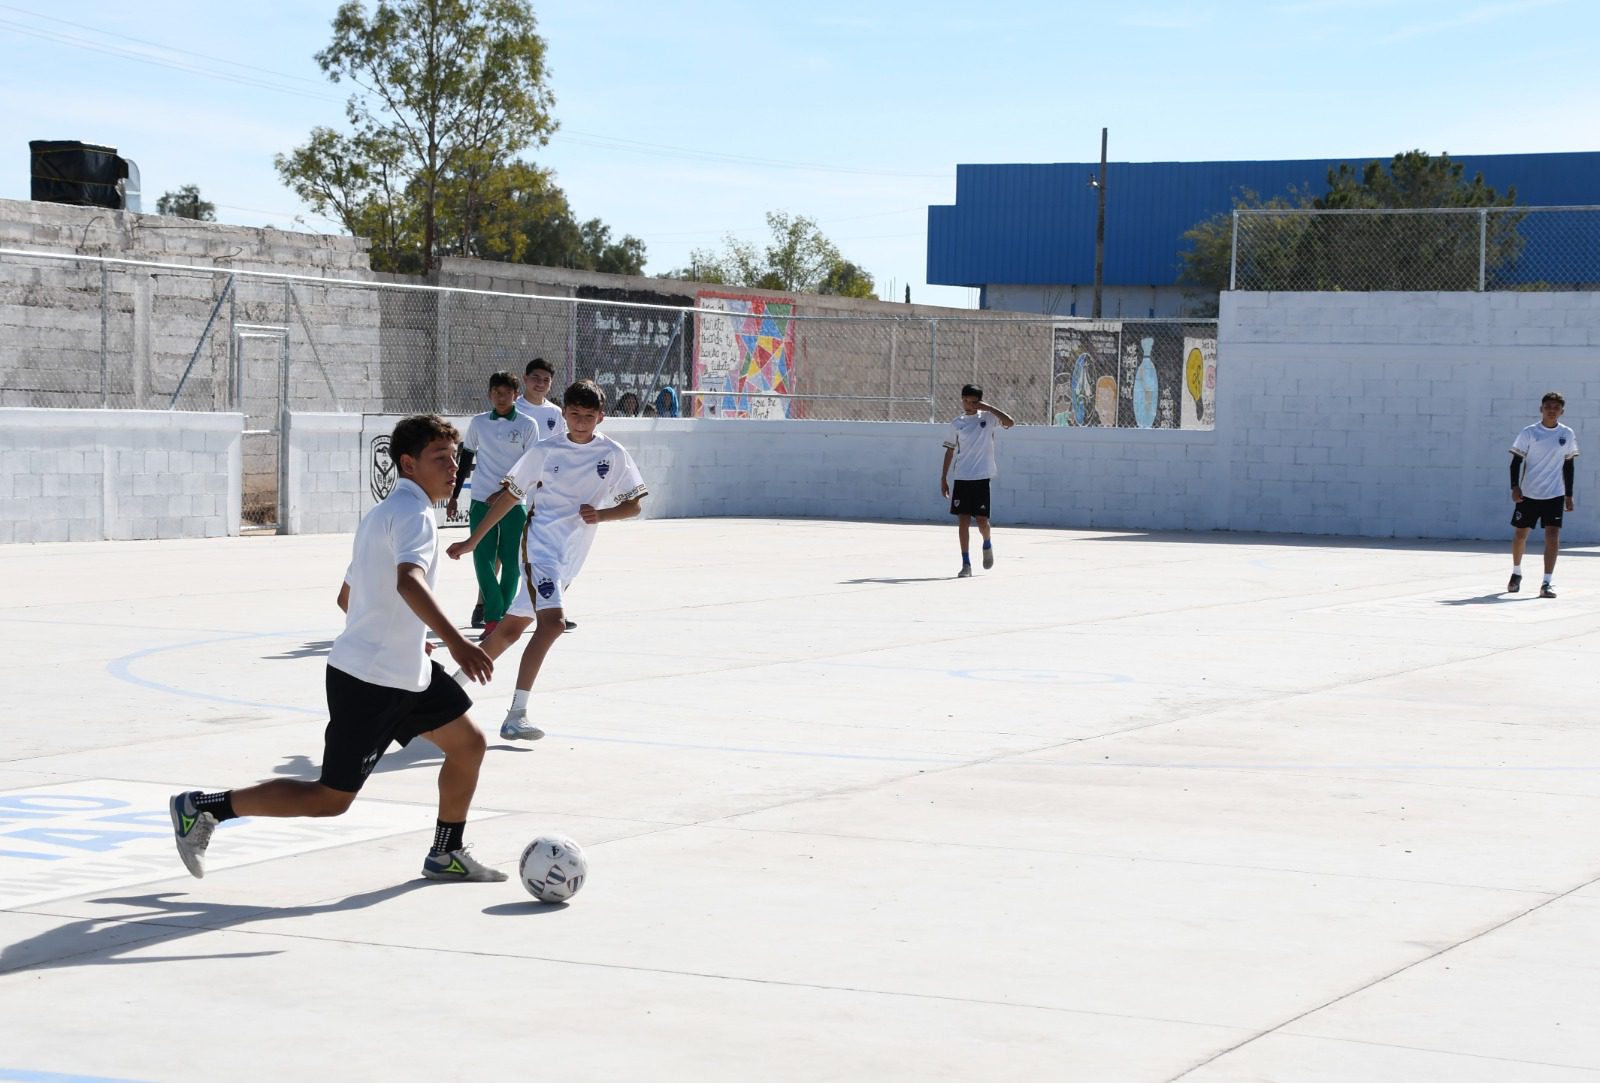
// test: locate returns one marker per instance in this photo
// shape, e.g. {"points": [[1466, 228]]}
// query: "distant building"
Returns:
{"points": [[1023, 235]]}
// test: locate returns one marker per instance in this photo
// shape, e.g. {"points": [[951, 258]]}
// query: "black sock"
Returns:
{"points": [[220, 805], [447, 837]]}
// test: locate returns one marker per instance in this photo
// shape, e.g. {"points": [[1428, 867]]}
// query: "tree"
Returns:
{"points": [[797, 259], [448, 91], [1363, 252], [186, 203]]}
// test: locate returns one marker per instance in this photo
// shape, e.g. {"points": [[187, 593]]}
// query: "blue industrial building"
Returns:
{"points": [[1024, 234]]}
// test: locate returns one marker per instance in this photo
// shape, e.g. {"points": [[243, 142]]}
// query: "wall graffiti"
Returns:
{"points": [[751, 348], [1133, 374]]}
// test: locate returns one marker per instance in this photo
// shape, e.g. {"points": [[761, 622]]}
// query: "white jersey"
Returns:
{"points": [[559, 476], [498, 442], [383, 640], [1543, 452], [972, 439], [546, 416]]}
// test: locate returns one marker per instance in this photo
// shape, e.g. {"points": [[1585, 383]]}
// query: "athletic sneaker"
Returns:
{"points": [[988, 556], [1515, 584], [477, 615], [1546, 591], [191, 830], [965, 572], [516, 727], [459, 865]]}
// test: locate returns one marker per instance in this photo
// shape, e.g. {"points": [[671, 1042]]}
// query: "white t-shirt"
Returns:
{"points": [[1543, 452], [972, 439], [566, 476], [547, 416], [498, 442], [383, 640]]}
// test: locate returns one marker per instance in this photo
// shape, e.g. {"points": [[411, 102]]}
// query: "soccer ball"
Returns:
{"points": [[553, 868]]}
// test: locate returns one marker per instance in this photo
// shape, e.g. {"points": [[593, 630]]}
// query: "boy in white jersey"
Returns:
{"points": [[970, 446], [536, 381], [1542, 471], [381, 685], [582, 478], [495, 440]]}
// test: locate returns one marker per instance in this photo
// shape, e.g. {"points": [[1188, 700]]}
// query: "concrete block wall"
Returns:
{"points": [[79, 334], [92, 475], [324, 485], [1391, 414]]}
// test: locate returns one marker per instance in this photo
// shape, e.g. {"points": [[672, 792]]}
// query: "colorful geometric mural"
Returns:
{"points": [[750, 349]]}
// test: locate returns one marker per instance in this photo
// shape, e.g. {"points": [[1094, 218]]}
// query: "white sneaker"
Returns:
{"points": [[516, 727], [191, 830]]}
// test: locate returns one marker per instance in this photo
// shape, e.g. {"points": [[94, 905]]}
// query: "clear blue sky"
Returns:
{"points": [[683, 122]]}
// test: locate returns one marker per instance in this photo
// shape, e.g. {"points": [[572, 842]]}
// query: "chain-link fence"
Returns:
{"points": [[101, 333], [1457, 249]]}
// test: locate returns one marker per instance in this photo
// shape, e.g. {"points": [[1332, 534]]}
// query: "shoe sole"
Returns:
{"points": [[445, 878], [988, 559], [190, 861], [521, 735]]}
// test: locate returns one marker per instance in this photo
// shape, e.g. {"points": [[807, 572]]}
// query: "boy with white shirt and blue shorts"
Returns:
{"points": [[382, 687], [576, 482], [1542, 473], [970, 446]]}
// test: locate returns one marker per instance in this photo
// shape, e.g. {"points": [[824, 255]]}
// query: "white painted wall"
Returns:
{"points": [[89, 475], [1392, 414]]}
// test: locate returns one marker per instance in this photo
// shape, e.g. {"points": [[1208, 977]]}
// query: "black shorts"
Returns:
{"points": [[970, 498], [1530, 513], [364, 718]]}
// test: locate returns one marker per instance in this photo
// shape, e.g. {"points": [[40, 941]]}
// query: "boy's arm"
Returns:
{"points": [[344, 596], [1516, 478], [1006, 420], [499, 504], [623, 509], [463, 472], [944, 471], [412, 584], [1569, 473]]}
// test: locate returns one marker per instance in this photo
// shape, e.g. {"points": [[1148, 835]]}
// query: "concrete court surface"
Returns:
{"points": [[1128, 807]]}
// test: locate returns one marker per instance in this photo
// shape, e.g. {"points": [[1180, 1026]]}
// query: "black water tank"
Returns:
{"points": [[67, 171]]}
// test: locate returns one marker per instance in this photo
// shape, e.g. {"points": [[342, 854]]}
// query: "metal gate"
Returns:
{"points": [[261, 392]]}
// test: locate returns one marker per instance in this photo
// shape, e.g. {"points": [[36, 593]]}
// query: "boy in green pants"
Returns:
{"points": [[494, 442]]}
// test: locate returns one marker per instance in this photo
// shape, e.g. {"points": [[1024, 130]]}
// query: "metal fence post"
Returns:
{"points": [[933, 368], [1483, 246], [105, 320], [1233, 255], [894, 344]]}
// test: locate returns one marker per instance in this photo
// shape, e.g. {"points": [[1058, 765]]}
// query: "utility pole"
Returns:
{"points": [[1099, 184]]}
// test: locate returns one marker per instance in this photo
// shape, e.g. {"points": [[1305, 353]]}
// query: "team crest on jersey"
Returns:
{"points": [[1562, 441], [983, 423], [603, 467], [550, 423], [546, 588]]}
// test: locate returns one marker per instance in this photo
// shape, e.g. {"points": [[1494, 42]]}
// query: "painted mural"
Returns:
{"points": [[743, 344], [1133, 374]]}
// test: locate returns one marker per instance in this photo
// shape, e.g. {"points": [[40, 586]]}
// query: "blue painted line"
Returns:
{"points": [[26, 1075], [122, 670]]}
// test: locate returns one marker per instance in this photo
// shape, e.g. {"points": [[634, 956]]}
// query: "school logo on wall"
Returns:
{"points": [[384, 472]]}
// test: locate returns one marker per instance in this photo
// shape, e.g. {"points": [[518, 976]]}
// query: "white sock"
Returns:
{"points": [[1547, 576], [519, 699], [1516, 569]]}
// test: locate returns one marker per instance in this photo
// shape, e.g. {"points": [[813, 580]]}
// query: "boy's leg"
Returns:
{"points": [[448, 858], [1552, 544], [494, 607], [1519, 545], [963, 534], [551, 625], [988, 547], [195, 813], [510, 546]]}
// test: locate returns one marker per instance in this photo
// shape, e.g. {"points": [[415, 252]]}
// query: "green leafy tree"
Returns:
{"points": [[797, 258], [1363, 252], [447, 91], [186, 203]]}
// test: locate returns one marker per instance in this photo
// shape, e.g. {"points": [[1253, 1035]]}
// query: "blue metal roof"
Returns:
{"points": [[1034, 224]]}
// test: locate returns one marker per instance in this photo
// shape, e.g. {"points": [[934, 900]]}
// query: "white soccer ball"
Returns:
{"points": [[553, 868]]}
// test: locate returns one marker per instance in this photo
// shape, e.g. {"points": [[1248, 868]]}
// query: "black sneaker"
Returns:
{"points": [[1546, 591], [477, 615], [1515, 584], [571, 625]]}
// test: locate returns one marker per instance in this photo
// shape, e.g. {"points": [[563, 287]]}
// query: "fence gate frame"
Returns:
{"points": [[279, 429]]}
